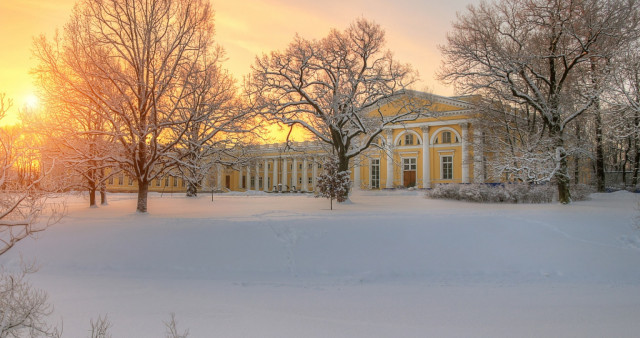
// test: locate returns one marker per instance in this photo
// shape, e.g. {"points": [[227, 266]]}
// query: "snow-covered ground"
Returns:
{"points": [[389, 265]]}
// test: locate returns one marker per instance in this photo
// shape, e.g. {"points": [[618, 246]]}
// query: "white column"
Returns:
{"points": [[256, 179], [294, 179], [305, 187], [239, 177], [285, 181], [314, 173], [274, 181], [465, 152], [265, 186], [389, 183], [478, 152], [219, 178], [356, 173], [426, 157], [249, 177]]}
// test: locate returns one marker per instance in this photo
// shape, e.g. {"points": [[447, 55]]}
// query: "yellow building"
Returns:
{"points": [[437, 148]]}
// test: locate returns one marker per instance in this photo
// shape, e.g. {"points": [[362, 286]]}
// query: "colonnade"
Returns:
{"points": [[267, 175]]}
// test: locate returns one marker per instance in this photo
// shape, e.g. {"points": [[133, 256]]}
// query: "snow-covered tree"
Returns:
{"points": [[129, 59], [77, 139], [24, 310], [333, 183], [23, 194], [334, 88], [216, 121], [623, 124], [533, 53]]}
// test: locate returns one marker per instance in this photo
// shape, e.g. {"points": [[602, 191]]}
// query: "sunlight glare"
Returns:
{"points": [[31, 101]]}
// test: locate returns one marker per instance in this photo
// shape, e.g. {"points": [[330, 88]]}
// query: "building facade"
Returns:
{"points": [[442, 147]]}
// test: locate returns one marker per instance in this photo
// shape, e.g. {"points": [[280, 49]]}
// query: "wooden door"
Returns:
{"points": [[409, 178]]}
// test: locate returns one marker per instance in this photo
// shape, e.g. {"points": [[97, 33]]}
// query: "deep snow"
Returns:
{"points": [[389, 265]]}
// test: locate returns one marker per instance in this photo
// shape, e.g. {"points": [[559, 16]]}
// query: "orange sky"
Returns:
{"points": [[246, 28]]}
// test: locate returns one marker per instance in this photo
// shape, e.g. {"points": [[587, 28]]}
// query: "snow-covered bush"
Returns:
{"points": [[504, 193], [581, 192], [516, 193], [541, 193], [471, 192], [445, 191]]}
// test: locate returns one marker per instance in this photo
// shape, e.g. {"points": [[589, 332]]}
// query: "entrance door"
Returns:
{"points": [[410, 178], [409, 172], [228, 185]]}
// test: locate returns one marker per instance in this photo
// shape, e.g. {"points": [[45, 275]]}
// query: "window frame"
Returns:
{"points": [[446, 173], [448, 139], [374, 173]]}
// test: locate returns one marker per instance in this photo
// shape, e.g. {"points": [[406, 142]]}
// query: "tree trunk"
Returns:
{"points": [[562, 174], [192, 190], [92, 197], [576, 159], [103, 189], [600, 184], [343, 165], [92, 192], [636, 159], [143, 189], [600, 176], [103, 196]]}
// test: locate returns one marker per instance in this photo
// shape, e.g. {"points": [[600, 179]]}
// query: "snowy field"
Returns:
{"points": [[388, 265]]}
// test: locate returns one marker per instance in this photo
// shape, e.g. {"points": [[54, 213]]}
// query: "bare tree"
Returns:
{"points": [[129, 59], [100, 328], [217, 122], [23, 197], [172, 328], [532, 52], [334, 88], [78, 137], [23, 309], [624, 122]]}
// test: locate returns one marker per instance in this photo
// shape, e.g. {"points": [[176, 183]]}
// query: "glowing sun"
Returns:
{"points": [[31, 101]]}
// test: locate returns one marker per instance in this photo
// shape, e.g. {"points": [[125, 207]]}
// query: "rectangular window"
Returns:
{"points": [[447, 167], [111, 180], [260, 182], [158, 182], [310, 180], [130, 181], [446, 137], [409, 163], [300, 166], [166, 182], [375, 173], [408, 140], [252, 183]]}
